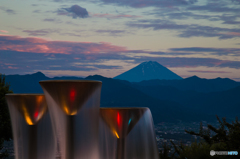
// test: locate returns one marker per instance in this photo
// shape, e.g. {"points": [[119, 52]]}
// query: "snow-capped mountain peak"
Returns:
{"points": [[146, 71]]}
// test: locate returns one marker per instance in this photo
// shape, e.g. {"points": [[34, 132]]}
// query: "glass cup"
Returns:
{"points": [[74, 109], [31, 126], [127, 133]]}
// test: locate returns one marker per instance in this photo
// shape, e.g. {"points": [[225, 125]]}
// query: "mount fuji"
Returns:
{"points": [[147, 71]]}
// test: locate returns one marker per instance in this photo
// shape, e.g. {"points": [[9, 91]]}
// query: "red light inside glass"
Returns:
{"points": [[72, 95], [36, 114], [118, 119]]}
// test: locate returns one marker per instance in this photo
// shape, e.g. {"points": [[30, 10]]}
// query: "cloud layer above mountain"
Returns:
{"points": [[32, 54]]}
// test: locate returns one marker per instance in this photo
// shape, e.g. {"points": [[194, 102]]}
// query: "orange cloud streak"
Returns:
{"points": [[4, 31]]}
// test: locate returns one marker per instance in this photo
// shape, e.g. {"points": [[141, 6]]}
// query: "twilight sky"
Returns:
{"points": [[108, 37]]}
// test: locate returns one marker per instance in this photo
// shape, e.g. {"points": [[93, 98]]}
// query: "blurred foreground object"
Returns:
{"points": [[31, 124], [127, 133], [74, 108]]}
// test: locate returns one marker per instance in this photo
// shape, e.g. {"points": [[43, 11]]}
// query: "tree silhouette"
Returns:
{"points": [[5, 122], [227, 134], [224, 138]]}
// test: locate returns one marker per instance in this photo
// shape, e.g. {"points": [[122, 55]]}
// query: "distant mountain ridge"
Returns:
{"points": [[148, 71], [194, 83], [169, 100], [117, 94], [29, 83]]}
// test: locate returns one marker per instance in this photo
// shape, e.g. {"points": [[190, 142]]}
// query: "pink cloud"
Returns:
{"points": [[234, 33], [201, 71], [10, 67], [39, 45], [4, 31], [8, 64]]}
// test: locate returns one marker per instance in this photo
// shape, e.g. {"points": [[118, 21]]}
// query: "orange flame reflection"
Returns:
{"points": [[27, 116]]}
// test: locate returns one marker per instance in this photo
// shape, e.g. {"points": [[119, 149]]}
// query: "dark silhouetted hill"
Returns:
{"points": [[195, 83], [168, 100], [117, 94], [29, 83], [225, 103], [26, 83]]}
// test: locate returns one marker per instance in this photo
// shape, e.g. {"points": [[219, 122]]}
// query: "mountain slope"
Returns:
{"points": [[223, 103], [117, 94], [194, 83], [147, 71], [167, 103], [26, 83], [29, 83]]}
